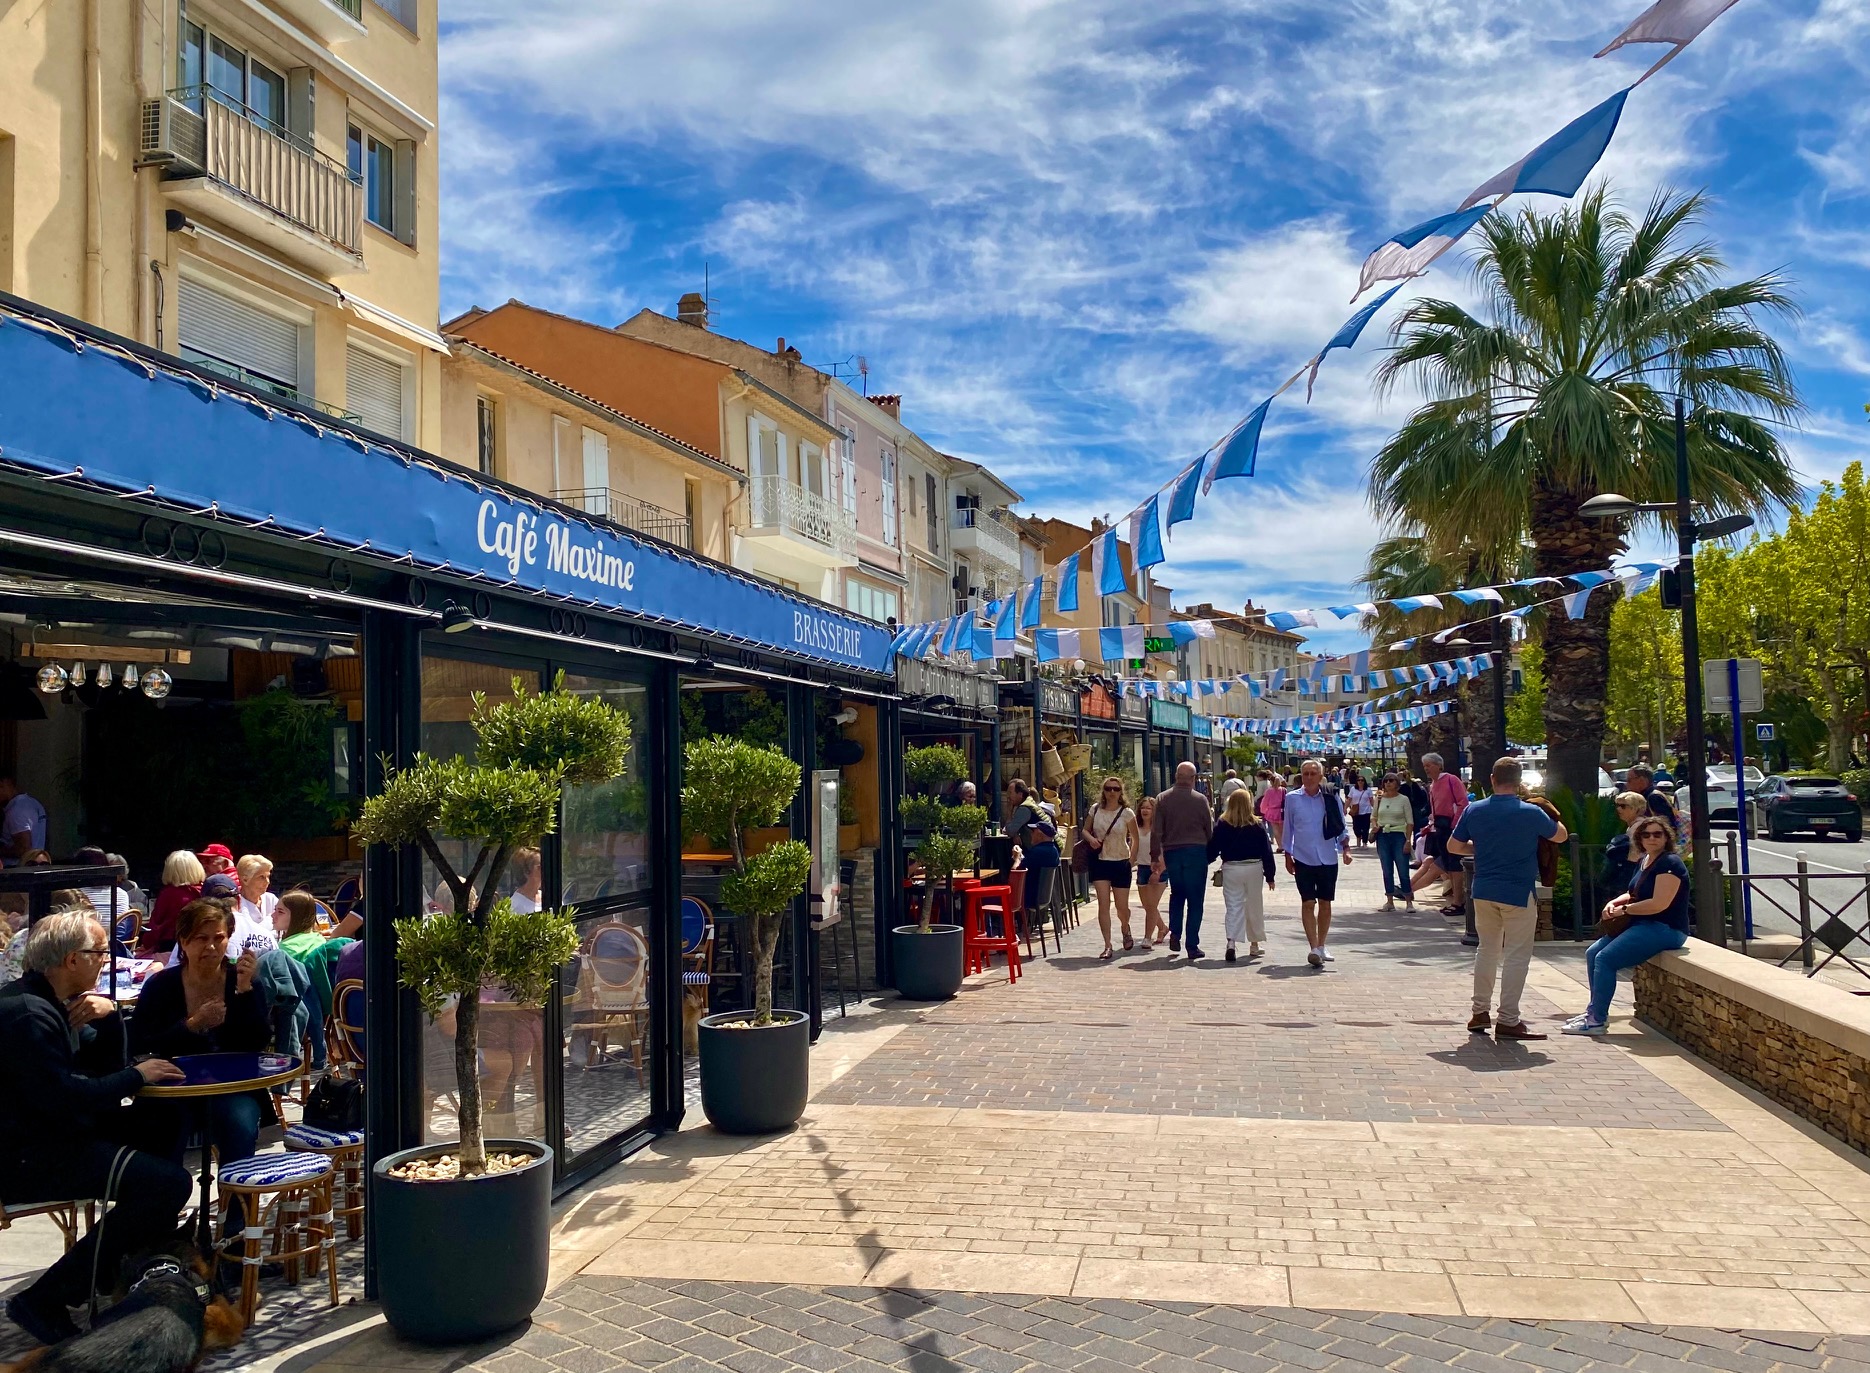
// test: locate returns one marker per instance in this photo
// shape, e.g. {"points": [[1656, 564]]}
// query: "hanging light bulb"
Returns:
{"points": [[129, 677], [52, 679], [103, 674], [156, 684], [78, 673]]}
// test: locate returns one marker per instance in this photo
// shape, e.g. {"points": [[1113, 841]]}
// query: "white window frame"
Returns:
{"points": [[758, 425], [402, 358], [402, 195], [259, 298], [594, 444], [888, 462], [818, 483], [561, 442]]}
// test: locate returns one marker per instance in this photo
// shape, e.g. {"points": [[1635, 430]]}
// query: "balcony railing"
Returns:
{"points": [[261, 382], [199, 130], [629, 512], [984, 532], [775, 503]]}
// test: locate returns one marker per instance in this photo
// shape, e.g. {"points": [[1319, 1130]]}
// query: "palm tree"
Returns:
{"points": [[1565, 390]]}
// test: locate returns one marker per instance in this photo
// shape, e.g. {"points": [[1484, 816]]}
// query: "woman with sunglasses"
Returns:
{"points": [[1149, 883], [1658, 899], [1110, 830]]}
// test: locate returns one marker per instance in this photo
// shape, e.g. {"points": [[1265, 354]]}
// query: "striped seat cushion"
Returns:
{"points": [[692, 978], [311, 1137], [274, 1170]]}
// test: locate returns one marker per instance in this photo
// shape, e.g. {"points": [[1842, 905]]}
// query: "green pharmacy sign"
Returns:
{"points": [[1158, 645]]}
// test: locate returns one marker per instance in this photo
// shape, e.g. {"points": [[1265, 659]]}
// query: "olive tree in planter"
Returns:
{"points": [[755, 1070], [462, 1232], [928, 958]]}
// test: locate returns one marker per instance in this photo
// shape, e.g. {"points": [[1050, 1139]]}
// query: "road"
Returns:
{"points": [[1832, 864]]}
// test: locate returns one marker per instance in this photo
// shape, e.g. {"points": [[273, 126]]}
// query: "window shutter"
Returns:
{"points": [[301, 105], [849, 446], [404, 209], [373, 391], [597, 470], [228, 330]]}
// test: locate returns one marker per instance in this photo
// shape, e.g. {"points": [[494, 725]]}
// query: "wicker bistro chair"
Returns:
{"points": [[66, 1215], [615, 978], [697, 969], [301, 1222], [345, 1037], [345, 1149]]}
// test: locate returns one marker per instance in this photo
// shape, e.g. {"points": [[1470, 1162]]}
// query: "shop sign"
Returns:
{"points": [[1169, 715], [1099, 703], [1135, 710], [63, 409], [1153, 645], [968, 690], [1057, 700]]}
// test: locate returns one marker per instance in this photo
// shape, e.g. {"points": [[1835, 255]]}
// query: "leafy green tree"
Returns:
{"points": [[1525, 709], [1562, 389], [730, 786], [1643, 692], [528, 750], [949, 833]]}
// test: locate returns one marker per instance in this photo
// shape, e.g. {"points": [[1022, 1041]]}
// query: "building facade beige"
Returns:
{"points": [[250, 184]]}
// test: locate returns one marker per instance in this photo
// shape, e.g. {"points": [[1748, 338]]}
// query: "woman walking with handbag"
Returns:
{"points": [[1149, 883], [1111, 833], [1242, 844]]}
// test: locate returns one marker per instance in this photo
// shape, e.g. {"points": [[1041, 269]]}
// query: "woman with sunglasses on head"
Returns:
{"points": [[1657, 901], [1110, 830]]}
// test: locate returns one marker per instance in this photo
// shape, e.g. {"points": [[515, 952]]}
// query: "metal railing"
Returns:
{"points": [[629, 512], [1823, 905], [990, 534], [261, 382], [777, 504], [200, 129], [354, 8]]}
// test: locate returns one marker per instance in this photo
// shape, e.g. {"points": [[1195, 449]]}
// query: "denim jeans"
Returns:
{"points": [[1607, 957], [1187, 871], [1393, 855]]}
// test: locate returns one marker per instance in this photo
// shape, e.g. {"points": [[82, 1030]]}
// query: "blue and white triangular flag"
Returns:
{"points": [[1480, 593], [1146, 535], [1411, 603], [1120, 643], [1409, 253], [1068, 584], [1186, 487], [1346, 336], [1241, 449], [1559, 165], [1576, 602], [1006, 623], [1589, 579], [1185, 632], [1107, 564], [1676, 22], [1291, 619], [1030, 608], [1051, 645]]}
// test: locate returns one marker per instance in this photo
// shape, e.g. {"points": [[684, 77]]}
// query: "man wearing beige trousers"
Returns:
{"points": [[1503, 833]]}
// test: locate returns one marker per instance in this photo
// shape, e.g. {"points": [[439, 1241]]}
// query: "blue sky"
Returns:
{"points": [[1084, 237]]}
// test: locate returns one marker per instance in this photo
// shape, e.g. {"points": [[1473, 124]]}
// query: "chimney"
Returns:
{"points": [[889, 405], [693, 309], [785, 354]]}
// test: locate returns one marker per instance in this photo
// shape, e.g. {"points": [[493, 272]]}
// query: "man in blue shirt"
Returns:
{"points": [[1503, 833], [1314, 842]]}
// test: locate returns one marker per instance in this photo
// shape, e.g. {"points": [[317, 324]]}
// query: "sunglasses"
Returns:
{"points": [[1653, 834]]}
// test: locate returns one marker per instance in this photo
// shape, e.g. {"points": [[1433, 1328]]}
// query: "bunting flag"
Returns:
{"points": [[1241, 451], [1107, 564], [1068, 584], [1346, 337], [1291, 619], [1185, 632], [1146, 535], [1408, 603], [1006, 623], [958, 628], [1182, 500], [1559, 165], [1576, 602], [1120, 643], [981, 647], [1051, 645], [1676, 22], [1410, 253], [1483, 593], [1031, 603]]}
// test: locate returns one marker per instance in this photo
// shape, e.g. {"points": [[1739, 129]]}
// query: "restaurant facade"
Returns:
{"points": [[223, 615]]}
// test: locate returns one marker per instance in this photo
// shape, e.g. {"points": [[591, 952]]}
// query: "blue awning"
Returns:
{"points": [[71, 404]]}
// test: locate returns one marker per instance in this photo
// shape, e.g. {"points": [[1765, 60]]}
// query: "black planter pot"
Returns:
{"points": [[458, 1261], [928, 966], [754, 1082]]}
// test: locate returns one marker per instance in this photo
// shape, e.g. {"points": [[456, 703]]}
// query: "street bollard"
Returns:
{"points": [[1736, 899], [1805, 914]]}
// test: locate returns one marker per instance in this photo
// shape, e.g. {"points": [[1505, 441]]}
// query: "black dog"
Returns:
{"points": [[165, 1317]]}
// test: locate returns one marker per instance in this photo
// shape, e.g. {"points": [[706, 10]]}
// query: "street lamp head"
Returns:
{"points": [[1608, 507], [1721, 528]]}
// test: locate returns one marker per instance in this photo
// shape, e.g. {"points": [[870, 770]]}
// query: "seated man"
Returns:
{"points": [[63, 1080]]}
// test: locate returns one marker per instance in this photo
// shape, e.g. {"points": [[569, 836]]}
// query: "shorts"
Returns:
{"points": [[1115, 871], [1443, 827], [1317, 881], [1145, 875]]}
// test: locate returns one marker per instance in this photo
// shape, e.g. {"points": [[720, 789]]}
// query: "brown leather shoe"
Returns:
{"points": [[1519, 1031], [1480, 1024]]}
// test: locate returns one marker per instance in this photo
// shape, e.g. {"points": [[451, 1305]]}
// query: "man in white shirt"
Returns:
{"points": [[22, 823]]}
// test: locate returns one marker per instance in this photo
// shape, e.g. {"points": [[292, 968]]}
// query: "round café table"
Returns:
{"points": [[212, 1075]]}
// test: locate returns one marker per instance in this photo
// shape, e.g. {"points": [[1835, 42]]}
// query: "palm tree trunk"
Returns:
{"points": [[1577, 652]]}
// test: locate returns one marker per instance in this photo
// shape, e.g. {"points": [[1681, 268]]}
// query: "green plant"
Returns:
{"points": [[729, 787], [949, 833], [528, 750], [847, 806], [1857, 782]]}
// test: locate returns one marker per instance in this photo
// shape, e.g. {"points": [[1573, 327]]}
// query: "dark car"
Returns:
{"points": [[1817, 805]]}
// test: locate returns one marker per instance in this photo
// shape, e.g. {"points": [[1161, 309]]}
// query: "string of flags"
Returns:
{"points": [[1360, 678], [1557, 166], [1347, 718]]}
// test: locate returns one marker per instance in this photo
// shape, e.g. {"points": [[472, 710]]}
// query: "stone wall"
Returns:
{"points": [[1803, 1044]]}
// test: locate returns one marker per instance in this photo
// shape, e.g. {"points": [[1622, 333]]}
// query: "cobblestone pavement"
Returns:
{"points": [[593, 1324]]}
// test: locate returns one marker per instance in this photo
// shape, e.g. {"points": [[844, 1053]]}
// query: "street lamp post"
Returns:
{"points": [[1688, 532]]}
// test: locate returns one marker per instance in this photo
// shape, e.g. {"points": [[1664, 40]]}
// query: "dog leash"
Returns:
{"points": [[119, 1164]]}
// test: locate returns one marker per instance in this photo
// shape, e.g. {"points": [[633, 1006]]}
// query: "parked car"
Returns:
{"points": [[1722, 803], [1819, 805], [1532, 773]]}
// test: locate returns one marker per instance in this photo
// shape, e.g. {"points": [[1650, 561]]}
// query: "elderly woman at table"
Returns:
{"points": [[203, 1005]]}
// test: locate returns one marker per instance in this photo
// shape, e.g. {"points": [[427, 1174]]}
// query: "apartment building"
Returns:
{"points": [[503, 418], [983, 535], [928, 564], [1243, 644], [1062, 538], [251, 184]]}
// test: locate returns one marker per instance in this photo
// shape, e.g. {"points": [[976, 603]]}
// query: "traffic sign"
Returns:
{"points": [[1717, 696], [1764, 731]]}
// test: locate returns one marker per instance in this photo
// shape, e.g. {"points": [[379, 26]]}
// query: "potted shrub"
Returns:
{"points": [[755, 1068], [463, 1230], [927, 957]]}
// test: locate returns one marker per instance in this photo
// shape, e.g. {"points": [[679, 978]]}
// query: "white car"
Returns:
{"points": [[1532, 773], [1722, 802]]}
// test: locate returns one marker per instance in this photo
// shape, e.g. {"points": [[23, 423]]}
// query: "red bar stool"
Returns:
{"points": [[977, 944]]}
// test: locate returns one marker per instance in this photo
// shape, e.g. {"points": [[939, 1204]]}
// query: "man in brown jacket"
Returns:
{"points": [[1179, 836]]}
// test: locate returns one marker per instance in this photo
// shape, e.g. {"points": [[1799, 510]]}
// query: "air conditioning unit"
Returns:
{"points": [[171, 135]]}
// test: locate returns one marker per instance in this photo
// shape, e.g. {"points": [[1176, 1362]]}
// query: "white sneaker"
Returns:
{"points": [[1583, 1025], [1315, 958], [1326, 955]]}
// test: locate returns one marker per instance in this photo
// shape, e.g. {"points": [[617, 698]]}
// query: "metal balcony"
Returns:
{"points": [[227, 163], [825, 531], [983, 534], [629, 512], [331, 21]]}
